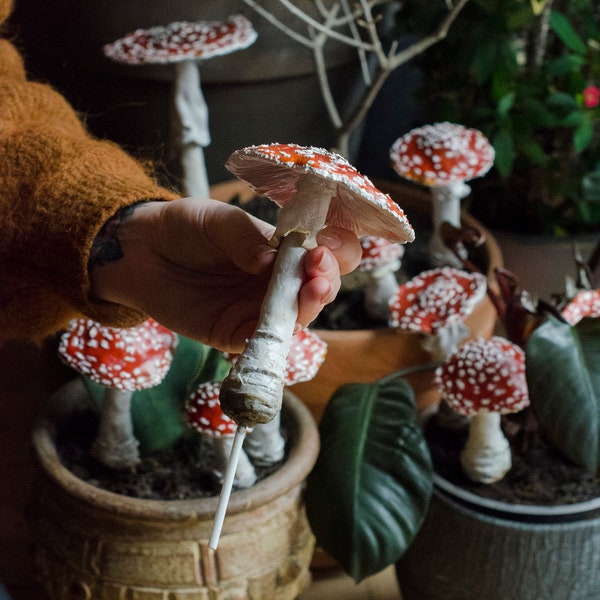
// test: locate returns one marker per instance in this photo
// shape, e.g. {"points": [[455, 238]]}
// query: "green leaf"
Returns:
{"points": [[565, 64], [563, 29], [506, 103], [369, 491], [563, 375], [583, 135], [505, 152], [156, 412]]}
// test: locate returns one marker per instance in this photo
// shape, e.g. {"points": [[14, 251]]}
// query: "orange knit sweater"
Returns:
{"points": [[58, 186]]}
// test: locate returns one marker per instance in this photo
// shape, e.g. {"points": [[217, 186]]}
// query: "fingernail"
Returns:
{"points": [[330, 239]]}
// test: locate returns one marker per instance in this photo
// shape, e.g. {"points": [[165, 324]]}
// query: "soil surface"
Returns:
{"points": [[179, 473], [539, 474]]}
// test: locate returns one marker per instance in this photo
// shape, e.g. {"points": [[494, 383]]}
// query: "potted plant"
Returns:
{"points": [[141, 527], [376, 464], [532, 88]]}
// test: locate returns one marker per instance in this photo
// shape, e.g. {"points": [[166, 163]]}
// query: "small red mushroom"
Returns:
{"points": [[443, 156], [185, 44], [123, 361], [586, 303], [380, 260], [484, 379], [204, 415], [436, 303]]}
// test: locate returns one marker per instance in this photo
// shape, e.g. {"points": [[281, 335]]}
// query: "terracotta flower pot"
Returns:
{"points": [[501, 551], [93, 544]]}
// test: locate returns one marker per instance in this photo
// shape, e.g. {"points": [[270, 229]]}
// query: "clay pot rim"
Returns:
{"points": [[528, 513], [302, 455]]}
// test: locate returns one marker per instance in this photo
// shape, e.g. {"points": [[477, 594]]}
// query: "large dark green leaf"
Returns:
{"points": [[563, 375], [156, 412], [369, 491], [564, 30]]}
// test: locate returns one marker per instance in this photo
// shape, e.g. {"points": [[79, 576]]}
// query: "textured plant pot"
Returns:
{"points": [[91, 544], [470, 548]]}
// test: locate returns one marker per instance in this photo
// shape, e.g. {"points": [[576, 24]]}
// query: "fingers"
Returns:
{"points": [[344, 245]]}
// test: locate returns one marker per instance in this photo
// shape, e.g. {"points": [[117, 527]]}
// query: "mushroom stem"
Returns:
{"points": [[245, 474], [265, 444], [115, 445], [446, 209], [381, 286], [486, 456], [253, 390], [194, 135]]}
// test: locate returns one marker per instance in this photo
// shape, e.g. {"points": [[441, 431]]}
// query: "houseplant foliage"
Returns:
{"points": [[374, 460], [532, 88]]}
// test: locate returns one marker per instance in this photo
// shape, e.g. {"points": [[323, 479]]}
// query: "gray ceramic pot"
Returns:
{"points": [[471, 548]]}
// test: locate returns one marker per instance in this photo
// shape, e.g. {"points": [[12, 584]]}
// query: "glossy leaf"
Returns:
{"points": [[563, 375], [564, 30], [369, 491]]}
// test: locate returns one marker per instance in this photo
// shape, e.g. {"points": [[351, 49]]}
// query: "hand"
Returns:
{"points": [[201, 268]]}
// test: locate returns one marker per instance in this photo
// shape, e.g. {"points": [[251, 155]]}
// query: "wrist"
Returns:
{"points": [[112, 259]]}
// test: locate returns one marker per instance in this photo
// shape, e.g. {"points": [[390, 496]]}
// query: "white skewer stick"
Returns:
{"points": [[234, 459]]}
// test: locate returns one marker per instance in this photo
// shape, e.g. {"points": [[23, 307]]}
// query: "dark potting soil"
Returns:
{"points": [[171, 474], [539, 474]]}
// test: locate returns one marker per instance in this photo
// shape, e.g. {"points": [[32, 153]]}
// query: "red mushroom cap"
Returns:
{"points": [[442, 154], [204, 413], [183, 40], [585, 304], [484, 375], [378, 252], [306, 355], [273, 170], [129, 359], [435, 298]]}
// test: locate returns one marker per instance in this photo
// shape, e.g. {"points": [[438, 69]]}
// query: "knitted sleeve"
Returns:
{"points": [[58, 186]]}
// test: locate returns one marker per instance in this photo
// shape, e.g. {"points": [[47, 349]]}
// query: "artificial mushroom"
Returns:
{"points": [[204, 415], [436, 303], [443, 156], [186, 44], [123, 361], [586, 303], [314, 188], [485, 379], [380, 260]]}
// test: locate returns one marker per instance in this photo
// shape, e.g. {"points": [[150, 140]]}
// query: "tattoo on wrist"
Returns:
{"points": [[106, 246]]}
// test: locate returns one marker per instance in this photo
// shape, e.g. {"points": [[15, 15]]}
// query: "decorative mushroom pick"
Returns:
{"points": [[123, 361], [314, 188], [186, 44], [380, 260], [443, 156], [484, 379], [436, 304], [204, 414]]}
